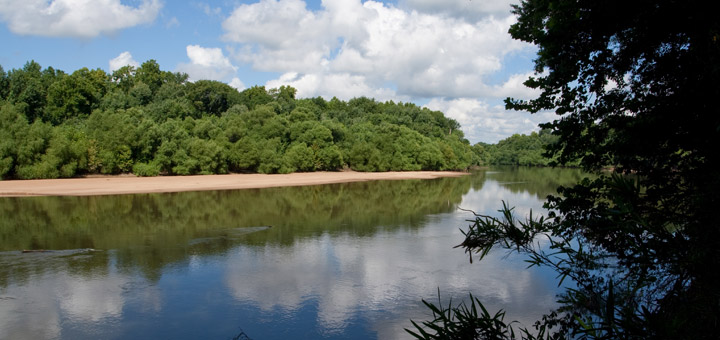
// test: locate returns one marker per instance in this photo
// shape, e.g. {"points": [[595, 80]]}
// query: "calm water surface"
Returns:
{"points": [[345, 261]]}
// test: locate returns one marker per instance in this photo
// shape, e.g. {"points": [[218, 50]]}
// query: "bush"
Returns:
{"points": [[146, 169]]}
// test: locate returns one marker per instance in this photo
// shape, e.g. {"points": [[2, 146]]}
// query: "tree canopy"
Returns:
{"points": [[523, 150], [632, 84], [149, 122]]}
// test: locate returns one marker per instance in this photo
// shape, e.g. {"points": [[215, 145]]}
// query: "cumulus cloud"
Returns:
{"points": [[451, 53], [421, 55], [71, 18], [344, 86], [237, 84], [514, 87], [488, 123], [124, 59], [207, 63], [278, 35], [465, 9]]}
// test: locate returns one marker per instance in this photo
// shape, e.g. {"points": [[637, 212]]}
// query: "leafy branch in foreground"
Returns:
{"points": [[463, 322], [487, 231], [632, 85], [606, 297]]}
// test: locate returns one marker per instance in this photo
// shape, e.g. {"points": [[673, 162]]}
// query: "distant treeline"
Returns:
{"points": [[526, 150], [150, 122]]}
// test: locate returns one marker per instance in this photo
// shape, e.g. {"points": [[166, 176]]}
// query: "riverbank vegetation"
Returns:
{"points": [[519, 150], [149, 122]]}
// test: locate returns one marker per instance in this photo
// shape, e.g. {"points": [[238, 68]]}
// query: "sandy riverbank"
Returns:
{"points": [[116, 185]]}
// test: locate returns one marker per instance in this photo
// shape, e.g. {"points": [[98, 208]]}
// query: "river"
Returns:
{"points": [[345, 261]]}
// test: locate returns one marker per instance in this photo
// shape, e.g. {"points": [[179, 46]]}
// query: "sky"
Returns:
{"points": [[454, 56]]}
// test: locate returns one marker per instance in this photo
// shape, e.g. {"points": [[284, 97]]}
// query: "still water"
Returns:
{"points": [[341, 261]]}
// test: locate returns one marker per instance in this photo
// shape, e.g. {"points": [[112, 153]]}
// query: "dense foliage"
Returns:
{"points": [[633, 83], [150, 122], [524, 150]]}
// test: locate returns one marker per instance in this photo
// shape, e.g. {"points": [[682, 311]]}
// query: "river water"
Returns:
{"points": [[341, 261]]}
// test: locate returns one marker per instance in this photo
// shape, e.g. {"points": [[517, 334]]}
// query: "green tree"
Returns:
{"points": [[150, 74], [285, 96], [4, 84], [212, 97], [113, 134], [27, 89], [140, 94], [299, 157], [481, 154], [74, 95], [527, 150], [66, 155], [204, 157], [254, 96], [430, 157], [13, 133], [271, 157], [632, 83], [30, 160], [244, 154], [152, 122], [124, 78]]}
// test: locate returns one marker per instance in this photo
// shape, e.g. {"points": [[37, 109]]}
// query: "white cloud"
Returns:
{"points": [[278, 35], [429, 56], [515, 88], [124, 59], [344, 86], [209, 57], [483, 122], [72, 18], [418, 51], [421, 55], [207, 63], [465, 9], [237, 84]]}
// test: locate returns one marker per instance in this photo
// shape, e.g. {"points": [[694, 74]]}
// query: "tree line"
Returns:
{"points": [[519, 149], [147, 121]]}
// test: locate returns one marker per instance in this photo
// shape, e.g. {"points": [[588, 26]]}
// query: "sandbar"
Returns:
{"points": [[128, 184]]}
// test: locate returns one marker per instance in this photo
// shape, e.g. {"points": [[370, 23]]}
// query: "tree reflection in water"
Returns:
{"points": [[344, 260]]}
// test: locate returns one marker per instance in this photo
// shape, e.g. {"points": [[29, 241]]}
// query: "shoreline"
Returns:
{"points": [[124, 184]]}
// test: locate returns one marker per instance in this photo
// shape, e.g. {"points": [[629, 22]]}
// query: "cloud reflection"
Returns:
{"points": [[362, 274], [59, 301], [349, 276]]}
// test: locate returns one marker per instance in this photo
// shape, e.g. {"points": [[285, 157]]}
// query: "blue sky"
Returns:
{"points": [[449, 55]]}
